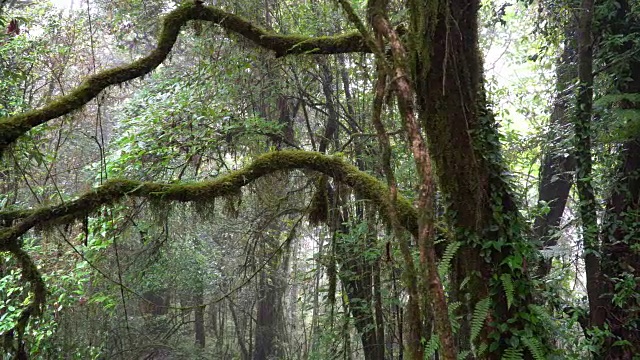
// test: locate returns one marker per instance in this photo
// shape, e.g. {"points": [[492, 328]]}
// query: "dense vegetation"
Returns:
{"points": [[320, 179]]}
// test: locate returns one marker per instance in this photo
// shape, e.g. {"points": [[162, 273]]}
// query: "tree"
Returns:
{"points": [[432, 69], [469, 171]]}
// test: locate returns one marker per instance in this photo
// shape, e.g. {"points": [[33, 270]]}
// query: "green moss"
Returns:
{"points": [[202, 194], [228, 185], [319, 207]]}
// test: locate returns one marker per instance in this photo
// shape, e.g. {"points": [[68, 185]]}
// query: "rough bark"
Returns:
{"points": [[586, 194], [430, 281], [239, 333], [268, 317], [620, 266], [199, 319]]}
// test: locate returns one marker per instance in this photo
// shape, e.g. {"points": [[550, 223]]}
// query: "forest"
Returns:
{"points": [[320, 179]]}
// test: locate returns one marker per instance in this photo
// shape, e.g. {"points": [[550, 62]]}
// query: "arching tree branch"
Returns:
{"points": [[13, 127], [110, 192]]}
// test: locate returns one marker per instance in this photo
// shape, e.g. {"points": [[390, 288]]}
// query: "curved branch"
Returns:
{"points": [[110, 192], [13, 127]]}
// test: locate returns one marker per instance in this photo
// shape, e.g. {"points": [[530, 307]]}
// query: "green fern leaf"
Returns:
{"points": [[541, 314], [509, 290], [535, 347], [512, 354], [464, 354], [447, 257], [431, 347], [479, 315], [481, 349]]}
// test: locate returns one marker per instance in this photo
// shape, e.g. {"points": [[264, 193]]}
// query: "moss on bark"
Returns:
{"points": [[112, 191], [201, 193]]}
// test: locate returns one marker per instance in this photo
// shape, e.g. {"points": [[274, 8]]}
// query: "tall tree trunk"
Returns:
{"points": [[356, 275], [617, 306], [266, 319], [464, 145], [269, 331], [239, 328], [583, 130]]}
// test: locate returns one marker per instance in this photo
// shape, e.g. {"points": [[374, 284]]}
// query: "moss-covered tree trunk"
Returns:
{"points": [[617, 308], [463, 142]]}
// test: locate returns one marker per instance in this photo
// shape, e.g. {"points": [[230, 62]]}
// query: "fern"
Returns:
{"points": [[432, 346], [462, 355], [454, 317], [509, 290], [447, 257], [453, 306], [512, 354], [464, 282], [479, 315], [481, 349], [536, 348]]}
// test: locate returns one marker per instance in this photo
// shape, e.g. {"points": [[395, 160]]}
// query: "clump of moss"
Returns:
{"points": [[319, 207], [232, 205]]}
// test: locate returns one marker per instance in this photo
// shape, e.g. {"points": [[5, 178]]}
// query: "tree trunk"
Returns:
{"points": [[266, 319], [464, 144], [239, 327], [615, 303], [356, 276]]}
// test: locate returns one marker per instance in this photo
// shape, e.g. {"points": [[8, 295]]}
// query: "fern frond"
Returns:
{"points": [[479, 315], [512, 354], [509, 290], [481, 349], [462, 355], [454, 316], [541, 313], [535, 346], [432, 346], [447, 257]]}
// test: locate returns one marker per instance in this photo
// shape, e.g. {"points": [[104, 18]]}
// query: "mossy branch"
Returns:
{"points": [[110, 192], [12, 128]]}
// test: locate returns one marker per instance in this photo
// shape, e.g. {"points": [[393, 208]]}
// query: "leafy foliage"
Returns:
{"points": [[535, 347]]}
